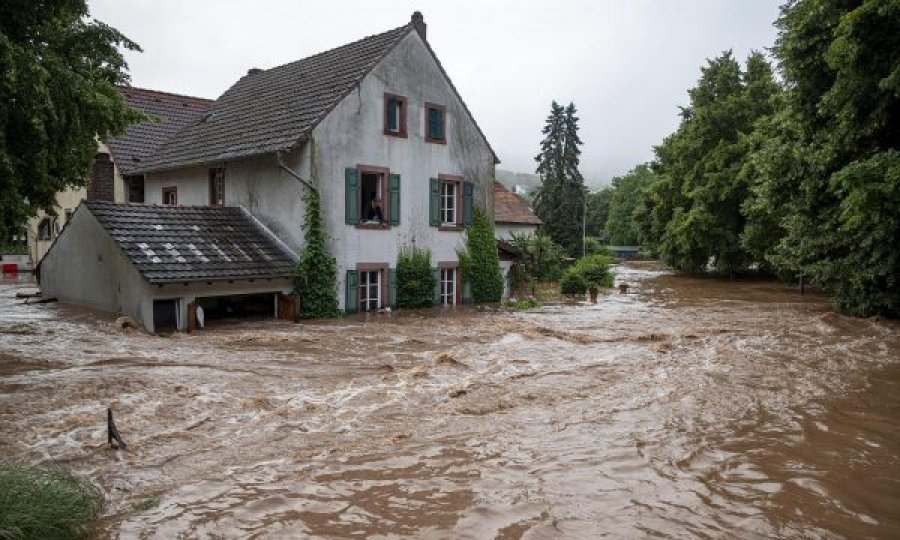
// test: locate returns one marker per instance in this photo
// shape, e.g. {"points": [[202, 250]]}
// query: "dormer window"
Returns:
{"points": [[394, 115], [217, 186], [435, 123]]}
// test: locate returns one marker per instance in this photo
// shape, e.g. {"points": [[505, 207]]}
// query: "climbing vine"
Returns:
{"points": [[315, 274]]}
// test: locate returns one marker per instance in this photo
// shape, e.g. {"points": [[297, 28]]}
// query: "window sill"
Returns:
{"points": [[435, 141], [375, 226], [451, 228], [397, 134]]}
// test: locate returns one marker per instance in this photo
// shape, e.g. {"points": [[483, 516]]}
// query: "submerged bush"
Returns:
{"points": [[572, 282], [591, 272], [38, 502], [415, 279]]}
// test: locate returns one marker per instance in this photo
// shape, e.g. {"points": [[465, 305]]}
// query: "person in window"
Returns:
{"points": [[374, 213]]}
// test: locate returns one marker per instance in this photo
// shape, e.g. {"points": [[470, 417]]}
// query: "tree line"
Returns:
{"points": [[788, 170]]}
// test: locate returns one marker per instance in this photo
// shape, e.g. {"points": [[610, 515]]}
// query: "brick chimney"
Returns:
{"points": [[418, 23]]}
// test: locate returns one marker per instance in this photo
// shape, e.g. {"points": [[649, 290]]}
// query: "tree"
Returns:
{"points": [[597, 212], [480, 261], [559, 200], [315, 276], [626, 192], [832, 168], [58, 77]]}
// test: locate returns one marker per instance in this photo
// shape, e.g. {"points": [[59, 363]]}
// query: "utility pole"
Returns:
{"points": [[584, 223]]}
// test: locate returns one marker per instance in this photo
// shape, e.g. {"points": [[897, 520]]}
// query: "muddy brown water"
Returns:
{"points": [[690, 408]]}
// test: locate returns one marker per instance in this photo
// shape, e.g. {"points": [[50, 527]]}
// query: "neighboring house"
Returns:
{"points": [[512, 215], [376, 122], [113, 176]]}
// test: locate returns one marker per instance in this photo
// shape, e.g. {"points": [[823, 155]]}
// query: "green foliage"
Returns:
{"points": [[589, 272], [13, 249], [543, 258], [626, 193], [315, 273], [37, 502], [415, 279], [480, 262], [58, 77], [527, 303], [559, 200], [598, 212]]}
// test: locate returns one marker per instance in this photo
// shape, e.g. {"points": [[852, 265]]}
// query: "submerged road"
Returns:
{"points": [[690, 408]]}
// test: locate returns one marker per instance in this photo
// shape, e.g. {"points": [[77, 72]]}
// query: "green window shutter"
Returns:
{"points": [[467, 292], [351, 303], [437, 285], [468, 203], [394, 199], [351, 196], [435, 124], [392, 114], [434, 214], [392, 288]]}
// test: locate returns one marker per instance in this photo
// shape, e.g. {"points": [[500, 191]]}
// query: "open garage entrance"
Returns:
{"points": [[222, 309]]}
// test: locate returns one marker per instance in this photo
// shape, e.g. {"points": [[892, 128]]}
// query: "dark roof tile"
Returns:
{"points": [[193, 243]]}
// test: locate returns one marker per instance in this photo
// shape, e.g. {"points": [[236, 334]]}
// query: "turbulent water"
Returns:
{"points": [[687, 408]]}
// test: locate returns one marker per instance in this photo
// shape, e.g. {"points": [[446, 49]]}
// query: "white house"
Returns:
{"points": [[375, 123]]}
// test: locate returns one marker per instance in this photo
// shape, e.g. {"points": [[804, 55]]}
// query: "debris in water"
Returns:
{"points": [[112, 432], [126, 322], [447, 359]]}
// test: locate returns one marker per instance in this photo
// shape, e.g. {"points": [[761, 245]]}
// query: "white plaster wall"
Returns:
{"points": [[86, 267], [352, 134], [68, 199], [504, 231], [258, 184]]}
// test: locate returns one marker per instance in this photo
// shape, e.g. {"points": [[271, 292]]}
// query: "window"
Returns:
{"points": [[448, 286], [217, 186], [370, 290], [45, 229], [448, 203], [394, 115], [135, 186], [170, 195], [435, 123], [372, 197]]}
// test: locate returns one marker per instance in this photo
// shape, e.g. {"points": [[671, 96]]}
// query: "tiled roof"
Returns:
{"points": [[171, 111], [274, 109], [193, 243], [510, 208]]}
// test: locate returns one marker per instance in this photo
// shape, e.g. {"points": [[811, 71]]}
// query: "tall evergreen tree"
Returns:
{"points": [[58, 72], [559, 200]]}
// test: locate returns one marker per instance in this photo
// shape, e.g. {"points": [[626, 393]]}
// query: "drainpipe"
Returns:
{"points": [[291, 172]]}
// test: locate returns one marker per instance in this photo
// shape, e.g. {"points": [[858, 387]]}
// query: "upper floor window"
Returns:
{"points": [[372, 197], [45, 229], [170, 195], [394, 115], [217, 186], [135, 187], [449, 212], [435, 123], [451, 202]]}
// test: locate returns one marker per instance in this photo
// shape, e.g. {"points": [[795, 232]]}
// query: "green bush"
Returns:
{"points": [[543, 258], [37, 502], [415, 280], [590, 272], [315, 274], [572, 282], [480, 262]]}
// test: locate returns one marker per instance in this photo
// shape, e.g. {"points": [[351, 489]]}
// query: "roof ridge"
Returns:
{"points": [[166, 93]]}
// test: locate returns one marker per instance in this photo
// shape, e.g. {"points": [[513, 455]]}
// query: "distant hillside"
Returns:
{"points": [[510, 179]]}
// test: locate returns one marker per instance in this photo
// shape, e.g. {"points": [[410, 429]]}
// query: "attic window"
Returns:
{"points": [[217, 186], [394, 115], [435, 123]]}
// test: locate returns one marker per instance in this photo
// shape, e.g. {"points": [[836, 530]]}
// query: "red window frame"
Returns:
{"points": [[443, 111], [216, 176], [384, 195], [402, 102], [171, 190]]}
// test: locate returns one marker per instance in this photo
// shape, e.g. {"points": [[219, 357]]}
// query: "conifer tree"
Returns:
{"points": [[559, 200]]}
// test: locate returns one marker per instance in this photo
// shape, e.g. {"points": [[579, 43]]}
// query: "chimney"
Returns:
{"points": [[254, 71], [418, 23]]}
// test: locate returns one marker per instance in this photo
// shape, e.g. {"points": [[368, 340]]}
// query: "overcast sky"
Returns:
{"points": [[627, 64]]}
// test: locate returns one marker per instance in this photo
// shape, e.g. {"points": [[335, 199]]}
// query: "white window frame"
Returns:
{"points": [[449, 206], [369, 299], [448, 286]]}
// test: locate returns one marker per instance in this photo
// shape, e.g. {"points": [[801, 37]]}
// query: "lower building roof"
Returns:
{"points": [[169, 244]]}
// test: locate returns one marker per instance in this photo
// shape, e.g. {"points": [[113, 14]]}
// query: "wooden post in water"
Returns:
{"points": [[112, 432], [802, 288]]}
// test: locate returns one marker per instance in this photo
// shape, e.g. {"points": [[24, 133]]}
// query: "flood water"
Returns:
{"points": [[688, 408]]}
